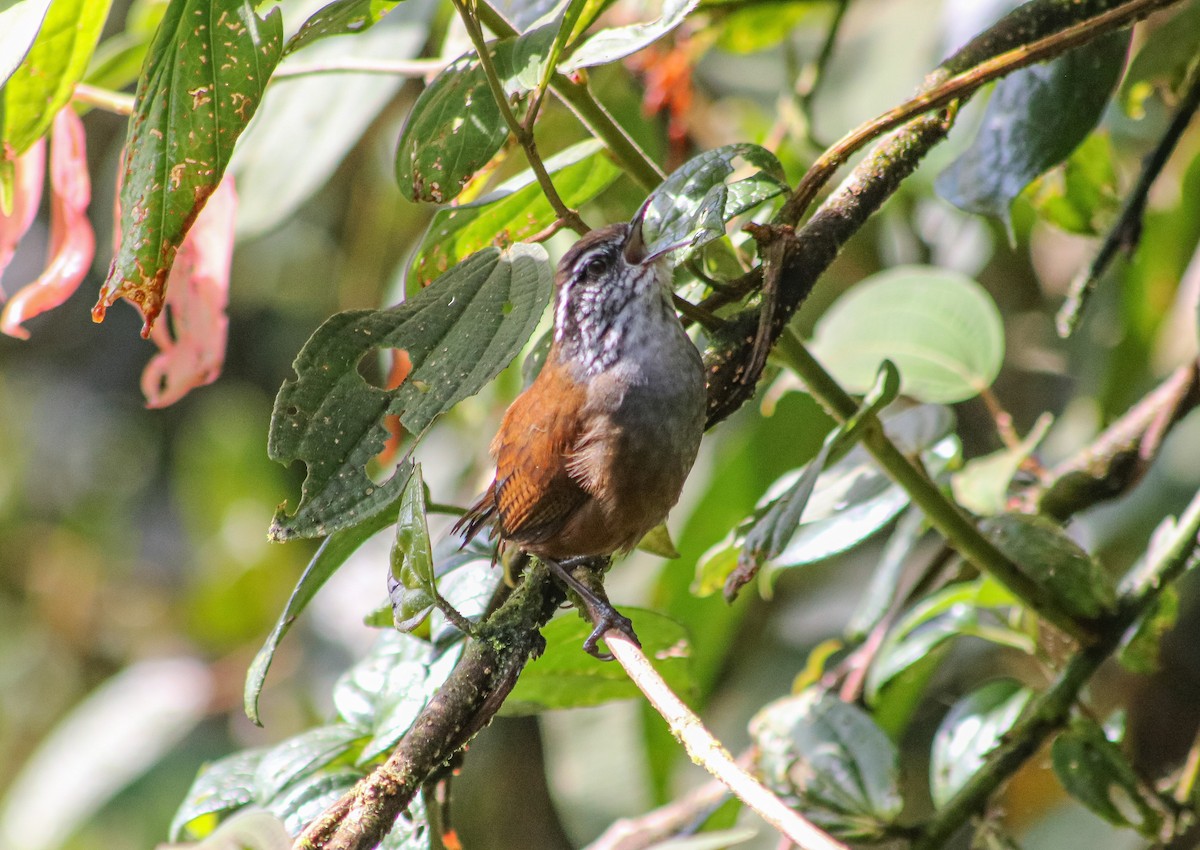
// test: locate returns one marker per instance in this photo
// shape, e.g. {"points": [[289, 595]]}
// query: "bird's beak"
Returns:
{"points": [[635, 242]]}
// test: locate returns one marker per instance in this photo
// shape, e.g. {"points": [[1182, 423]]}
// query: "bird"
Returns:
{"points": [[595, 452]]}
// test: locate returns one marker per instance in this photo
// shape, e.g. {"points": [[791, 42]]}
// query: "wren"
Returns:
{"points": [[594, 453]]}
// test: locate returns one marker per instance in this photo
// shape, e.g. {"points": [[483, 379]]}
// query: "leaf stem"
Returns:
{"points": [[522, 134], [946, 516], [709, 753], [579, 99], [112, 101], [954, 88]]}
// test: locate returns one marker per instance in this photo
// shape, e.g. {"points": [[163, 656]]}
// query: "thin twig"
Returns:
{"points": [[708, 752], [1126, 233], [956, 88], [385, 67], [649, 829], [820, 71]]}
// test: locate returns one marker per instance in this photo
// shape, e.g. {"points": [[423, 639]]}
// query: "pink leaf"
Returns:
{"points": [[72, 240], [192, 350], [30, 171]]}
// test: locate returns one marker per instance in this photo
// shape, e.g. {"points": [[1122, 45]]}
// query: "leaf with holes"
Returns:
{"points": [[203, 80], [692, 206], [455, 127], [973, 728], [516, 210], [940, 328], [566, 677], [1033, 121], [830, 760], [459, 333]]}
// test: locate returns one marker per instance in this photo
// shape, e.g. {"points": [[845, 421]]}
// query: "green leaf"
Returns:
{"points": [[251, 829], [981, 486], [203, 80], [772, 532], [300, 756], [333, 552], [566, 677], [609, 45], [974, 727], [832, 761], [302, 802], [455, 127], [221, 786], [1139, 652], [1163, 59], [331, 112], [459, 333], [20, 21], [516, 210], [940, 328], [982, 608], [42, 84], [1096, 773], [341, 17], [1081, 197], [1078, 584], [1035, 118], [694, 203], [657, 541], [877, 600], [412, 558]]}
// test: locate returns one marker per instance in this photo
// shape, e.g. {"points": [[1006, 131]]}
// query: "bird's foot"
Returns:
{"points": [[584, 576]]}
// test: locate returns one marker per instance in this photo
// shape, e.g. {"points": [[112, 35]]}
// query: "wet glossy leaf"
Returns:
{"points": [[221, 786], [691, 207], [982, 608], [832, 761], [455, 127], [609, 45], [302, 755], [203, 80], [412, 558], [1033, 121], [1079, 585], [340, 18], [567, 677], [981, 486], [940, 328], [249, 829], [54, 63], [516, 210], [877, 599], [459, 333], [301, 803], [333, 552], [973, 728], [1096, 773]]}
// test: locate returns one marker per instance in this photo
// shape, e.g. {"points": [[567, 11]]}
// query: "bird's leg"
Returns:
{"points": [[584, 576]]}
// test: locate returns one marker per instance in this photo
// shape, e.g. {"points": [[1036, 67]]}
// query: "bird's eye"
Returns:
{"points": [[596, 267]]}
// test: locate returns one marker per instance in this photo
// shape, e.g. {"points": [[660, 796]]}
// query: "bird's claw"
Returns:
{"points": [[603, 620]]}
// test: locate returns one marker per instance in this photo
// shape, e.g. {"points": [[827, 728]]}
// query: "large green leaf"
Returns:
{"points": [[514, 211], [455, 127], [940, 328], [221, 786], [609, 45], [566, 677], [973, 728], [1035, 118], [334, 551], [302, 755], [202, 82], [55, 62], [459, 333], [20, 21], [340, 17], [692, 206], [830, 759]]}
